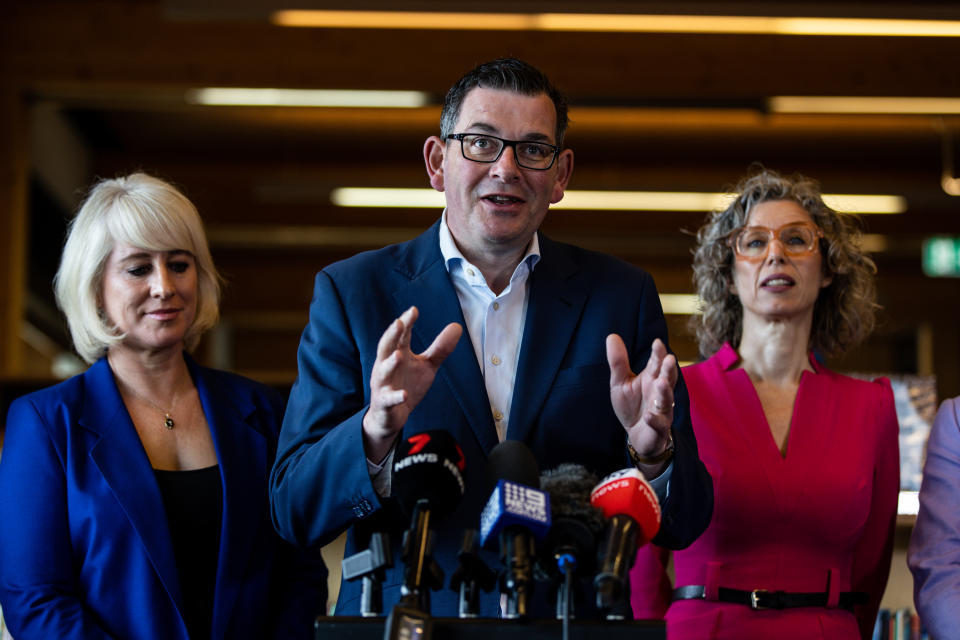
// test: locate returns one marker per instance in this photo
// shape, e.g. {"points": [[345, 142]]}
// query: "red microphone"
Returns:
{"points": [[631, 505]]}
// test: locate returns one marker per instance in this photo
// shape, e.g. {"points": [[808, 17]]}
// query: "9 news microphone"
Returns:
{"points": [[631, 506], [428, 482], [516, 514]]}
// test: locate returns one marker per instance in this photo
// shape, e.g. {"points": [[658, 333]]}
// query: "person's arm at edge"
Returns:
{"points": [[934, 556]]}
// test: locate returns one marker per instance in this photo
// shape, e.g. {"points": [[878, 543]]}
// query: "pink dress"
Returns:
{"points": [[819, 519]]}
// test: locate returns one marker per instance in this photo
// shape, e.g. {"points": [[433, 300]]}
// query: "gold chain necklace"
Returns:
{"points": [[167, 418]]}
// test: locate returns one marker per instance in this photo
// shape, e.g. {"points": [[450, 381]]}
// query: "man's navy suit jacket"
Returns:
{"points": [[561, 410]]}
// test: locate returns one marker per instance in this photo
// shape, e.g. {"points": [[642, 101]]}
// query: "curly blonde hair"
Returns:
{"points": [[844, 313]]}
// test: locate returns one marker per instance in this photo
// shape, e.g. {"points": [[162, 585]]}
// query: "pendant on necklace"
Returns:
{"points": [[168, 421]]}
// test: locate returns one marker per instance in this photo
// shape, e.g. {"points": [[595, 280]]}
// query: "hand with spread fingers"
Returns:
{"points": [[643, 402], [400, 379]]}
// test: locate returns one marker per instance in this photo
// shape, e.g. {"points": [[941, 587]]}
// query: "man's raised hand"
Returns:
{"points": [[400, 379]]}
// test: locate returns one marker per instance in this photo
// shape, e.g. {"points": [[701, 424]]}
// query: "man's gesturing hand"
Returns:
{"points": [[644, 402], [400, 379]]}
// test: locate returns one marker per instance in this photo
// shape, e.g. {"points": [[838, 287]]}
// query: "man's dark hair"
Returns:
{"points": [[506, 74]]}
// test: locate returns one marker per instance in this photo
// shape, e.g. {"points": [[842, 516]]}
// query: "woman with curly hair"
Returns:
{"points": [[805, 461]]}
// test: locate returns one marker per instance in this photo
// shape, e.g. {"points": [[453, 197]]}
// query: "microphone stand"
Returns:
{"points": [[612, 586], [422, 573], [567, 563], [410, 618], [517, 580], [471, 576], [369, 565]]}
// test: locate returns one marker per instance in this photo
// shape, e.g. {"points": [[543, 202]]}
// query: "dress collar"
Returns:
{"points": [[727, 356]]}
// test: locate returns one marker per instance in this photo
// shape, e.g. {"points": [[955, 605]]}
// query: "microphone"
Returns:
{"points": [[471, 576], [369, 565], [516, 514], [428, 482], [570, 548], [631, 505]]}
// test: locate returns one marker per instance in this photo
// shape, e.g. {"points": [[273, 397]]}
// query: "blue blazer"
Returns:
{"points": [[320, 485], [85, 550]]}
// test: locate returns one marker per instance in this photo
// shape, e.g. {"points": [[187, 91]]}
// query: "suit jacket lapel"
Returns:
{"points": [[242, 456], [557, 297], [120, 457], [428, 287]]}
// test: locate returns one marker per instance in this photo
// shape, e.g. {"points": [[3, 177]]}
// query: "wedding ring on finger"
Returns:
{"points": [[661, 406]]}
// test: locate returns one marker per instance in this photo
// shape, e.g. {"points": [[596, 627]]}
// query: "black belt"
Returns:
{"points": [[763, 599]]}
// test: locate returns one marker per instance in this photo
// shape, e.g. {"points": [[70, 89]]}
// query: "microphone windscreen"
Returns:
{"points": [[628, 493], [429, 465], [569, 486], [513, 461], [575, 525]]}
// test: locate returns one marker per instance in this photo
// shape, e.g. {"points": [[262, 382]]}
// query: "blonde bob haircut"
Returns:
{"points": [[144, 212], [844, 313]]}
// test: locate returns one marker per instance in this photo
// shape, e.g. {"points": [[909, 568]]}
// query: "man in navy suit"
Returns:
{"points": [[554, 334]]}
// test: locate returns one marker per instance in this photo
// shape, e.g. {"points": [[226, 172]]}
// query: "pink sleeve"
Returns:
{"points": [[871, 563], [650, 587]]}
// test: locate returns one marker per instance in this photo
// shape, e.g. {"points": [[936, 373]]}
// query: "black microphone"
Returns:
{"points": [[569, 550], [471, 576], [516, 514], [428, 482]]}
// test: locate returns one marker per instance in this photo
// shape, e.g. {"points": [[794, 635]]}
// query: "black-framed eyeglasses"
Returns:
{"points": [[480, 147], [797, 239]]}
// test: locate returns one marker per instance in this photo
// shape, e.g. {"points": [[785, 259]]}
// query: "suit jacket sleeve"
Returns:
{"points": [[871, 562], [320, 483], [37, 582], [689, 505], [934, 554]]}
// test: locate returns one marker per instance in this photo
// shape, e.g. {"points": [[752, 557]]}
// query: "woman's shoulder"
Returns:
{"points": [[724, 358], [66, 393], [243, 387], [871, 398], [56, 410], [873, 386]]}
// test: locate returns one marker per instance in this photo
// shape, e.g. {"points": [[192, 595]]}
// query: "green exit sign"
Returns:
{"points": [[941, 257]]}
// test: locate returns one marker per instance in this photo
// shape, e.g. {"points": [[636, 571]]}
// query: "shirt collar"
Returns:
{"points": [[451, 253]]}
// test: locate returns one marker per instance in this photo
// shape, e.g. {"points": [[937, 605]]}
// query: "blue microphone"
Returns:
{"points": [[516, 514], [512, 504]]}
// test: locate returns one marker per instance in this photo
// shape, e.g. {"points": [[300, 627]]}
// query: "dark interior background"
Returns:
{"points": [[95, 88]]}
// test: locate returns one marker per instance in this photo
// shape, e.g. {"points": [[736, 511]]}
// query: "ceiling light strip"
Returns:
{"points": [[864, 104], [623, 23], [608, 200], [680, 304], [271, 97]]}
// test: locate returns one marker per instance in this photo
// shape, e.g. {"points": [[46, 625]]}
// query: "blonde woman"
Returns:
{"points": [[135, 494]]}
